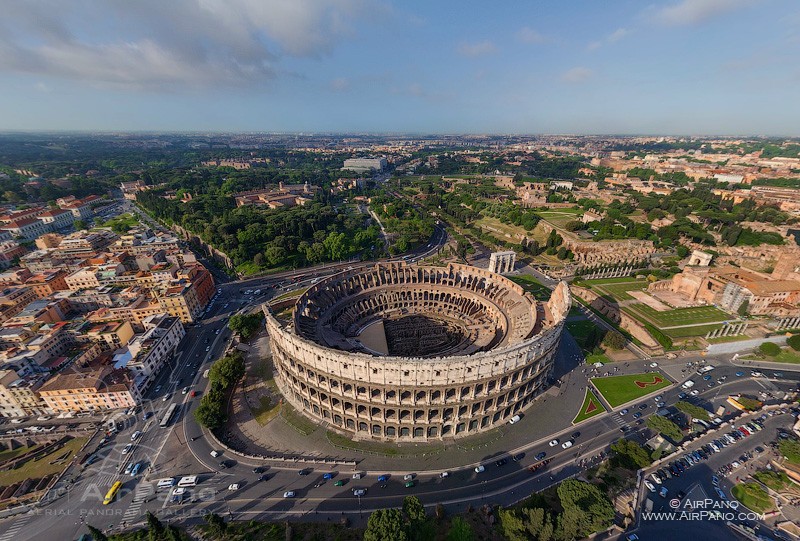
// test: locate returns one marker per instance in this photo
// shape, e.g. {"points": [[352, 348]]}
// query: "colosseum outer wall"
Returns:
{"points": [[416, 399]]}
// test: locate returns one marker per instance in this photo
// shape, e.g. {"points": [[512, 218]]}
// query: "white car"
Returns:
{"points": [[695, 392], [135, 435], [653, 365], [655, 478], [359, 492], [215, 453], [444, 475], [43, 418], [567, 444], [127, 449], [288, 494], [480, 469], [408, 477], [659, 398], [553, 443], [233, 486], [649, 486]]}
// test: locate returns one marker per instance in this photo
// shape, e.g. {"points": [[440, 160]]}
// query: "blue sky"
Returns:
{"points": [[576, 66]]}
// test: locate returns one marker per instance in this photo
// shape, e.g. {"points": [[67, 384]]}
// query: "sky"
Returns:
{"points": [[684, 67]]}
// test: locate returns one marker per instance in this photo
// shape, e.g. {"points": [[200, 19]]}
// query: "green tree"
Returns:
{"points": [[246, 325], [696, 412], [585, 509], [385, 525], [227, 370], [97, 534], [769, 349], [629, 454], [211, 412], [216, 524], [790, 449], [614, 340], [666, 427], [794, 342], [413, 509], [79, 224], [743, 308], [460, 530], [155, 530]]}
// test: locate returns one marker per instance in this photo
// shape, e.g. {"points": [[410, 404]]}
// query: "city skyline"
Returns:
{"points": [[675, 67]]}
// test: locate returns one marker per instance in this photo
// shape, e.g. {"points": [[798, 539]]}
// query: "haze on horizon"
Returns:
{"points": [[668, 67]]}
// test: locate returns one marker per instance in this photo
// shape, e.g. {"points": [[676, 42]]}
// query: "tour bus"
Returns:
{"points": [[705, 369], [188, 481], [112, 492], [165, 420], [165, 484]]}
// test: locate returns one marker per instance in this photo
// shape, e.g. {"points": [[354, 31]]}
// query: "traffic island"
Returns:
{"points": [[591, 406], [619, 390]]}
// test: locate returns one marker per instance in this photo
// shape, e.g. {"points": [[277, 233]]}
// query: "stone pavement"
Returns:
{"points": [[551, 412]]}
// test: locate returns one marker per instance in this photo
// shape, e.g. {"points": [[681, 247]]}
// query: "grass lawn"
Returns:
{"points": [[591, 406], [580, 330], [726, 339], [693, 331], [532, 286], [502, 231], [266, 410], [387, 449], [620, 291], [297, 421], [777, 481], [695, 315], [752, 496], [597, 358], [11, 453], [618, 390], [43, 467], [289, 294]]}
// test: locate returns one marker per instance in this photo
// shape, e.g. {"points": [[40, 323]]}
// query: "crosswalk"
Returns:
{"points": [[142, 492], [15, 527], [620, 421]]}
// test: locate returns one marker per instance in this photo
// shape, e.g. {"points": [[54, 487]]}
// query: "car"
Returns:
{"points": [[663, 492], [358, 492], [166, 397], [339, 483], [721, 379], [721, 494], [624, 411], [263, 477], [553, 443], [215, 453], [304, 471], [147, 415], [258, 469], [662, 405], [659, 398], [644, 406], [444, 475], [632, 537], [681, 396], [127, 449], [358, 475], [17, 421], [756, 374], [129, 469], [193, 394], [185, 390], [739, 374], [136, 469], [567, 444], [707, 377], [576, 435], [777, 374], [695, 392], [710, 384], [288, 494], [410, 484], [157, 389], [637, 414], [208, 348], [655, 478], [649, 486], [225, 464], [136, 435], [233, 486], [501, 462], [518, 457], [664, 473], [681, 495], [480, 469], [43, 418], [541, 456], [328, 475], [383, 478], [653, 365]]}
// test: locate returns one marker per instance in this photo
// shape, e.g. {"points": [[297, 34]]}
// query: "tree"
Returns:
{"points": [[614, 340], [211, 412], [413, 509], [743, 308], [696, 412], [769, 349], [573, 225], [666, 427], [155, 530], [227, 370], [216, 524], [385, 525], [586, 509], [79, 224], [794, 342], [629, 454], [460, 530], [97, 534], [245, 324]]}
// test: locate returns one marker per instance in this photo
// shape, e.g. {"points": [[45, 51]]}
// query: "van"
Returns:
{"points": [[687, 385], [358, 475], [514, 419]]}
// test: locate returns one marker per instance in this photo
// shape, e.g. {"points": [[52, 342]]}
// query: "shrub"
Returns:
{"points": [[769, 349]]}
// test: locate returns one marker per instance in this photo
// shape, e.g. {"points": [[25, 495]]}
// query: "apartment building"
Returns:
{"points": [[89, 389], [146, 354], [48, 282], [19, 396]]}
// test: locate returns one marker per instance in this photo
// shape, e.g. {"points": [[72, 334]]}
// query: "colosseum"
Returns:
{"points": [[413, 353]]}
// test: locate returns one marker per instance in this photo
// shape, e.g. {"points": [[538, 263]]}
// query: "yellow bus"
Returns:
{"points": [[112, 492]]}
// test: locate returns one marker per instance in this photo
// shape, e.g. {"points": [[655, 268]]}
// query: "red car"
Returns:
{"points": [[193, 394]]}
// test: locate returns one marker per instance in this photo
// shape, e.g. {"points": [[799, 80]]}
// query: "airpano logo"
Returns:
{"points": [[703, 509]]}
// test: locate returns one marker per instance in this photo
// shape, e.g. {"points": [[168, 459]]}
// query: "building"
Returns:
{"points": [[9, 251], [502, 262], [146, 354], [57, 219], [19, 395], [89, 389], [46, 283], [111, 334], [48, 240], [13, 300], [26, 229], [362, 165], [404, 353]]}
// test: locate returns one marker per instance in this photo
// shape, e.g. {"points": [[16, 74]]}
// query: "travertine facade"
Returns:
{"points": [[481, 349]]}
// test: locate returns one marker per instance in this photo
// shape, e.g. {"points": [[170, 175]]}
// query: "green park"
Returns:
{"points": [[618, 390]]}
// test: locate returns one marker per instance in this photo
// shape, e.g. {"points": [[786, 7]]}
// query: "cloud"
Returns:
{"points": [[340, 84], [480, 48], [529, 35], [688, 12], [613, 37], [577, 75], [155, 45]]}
